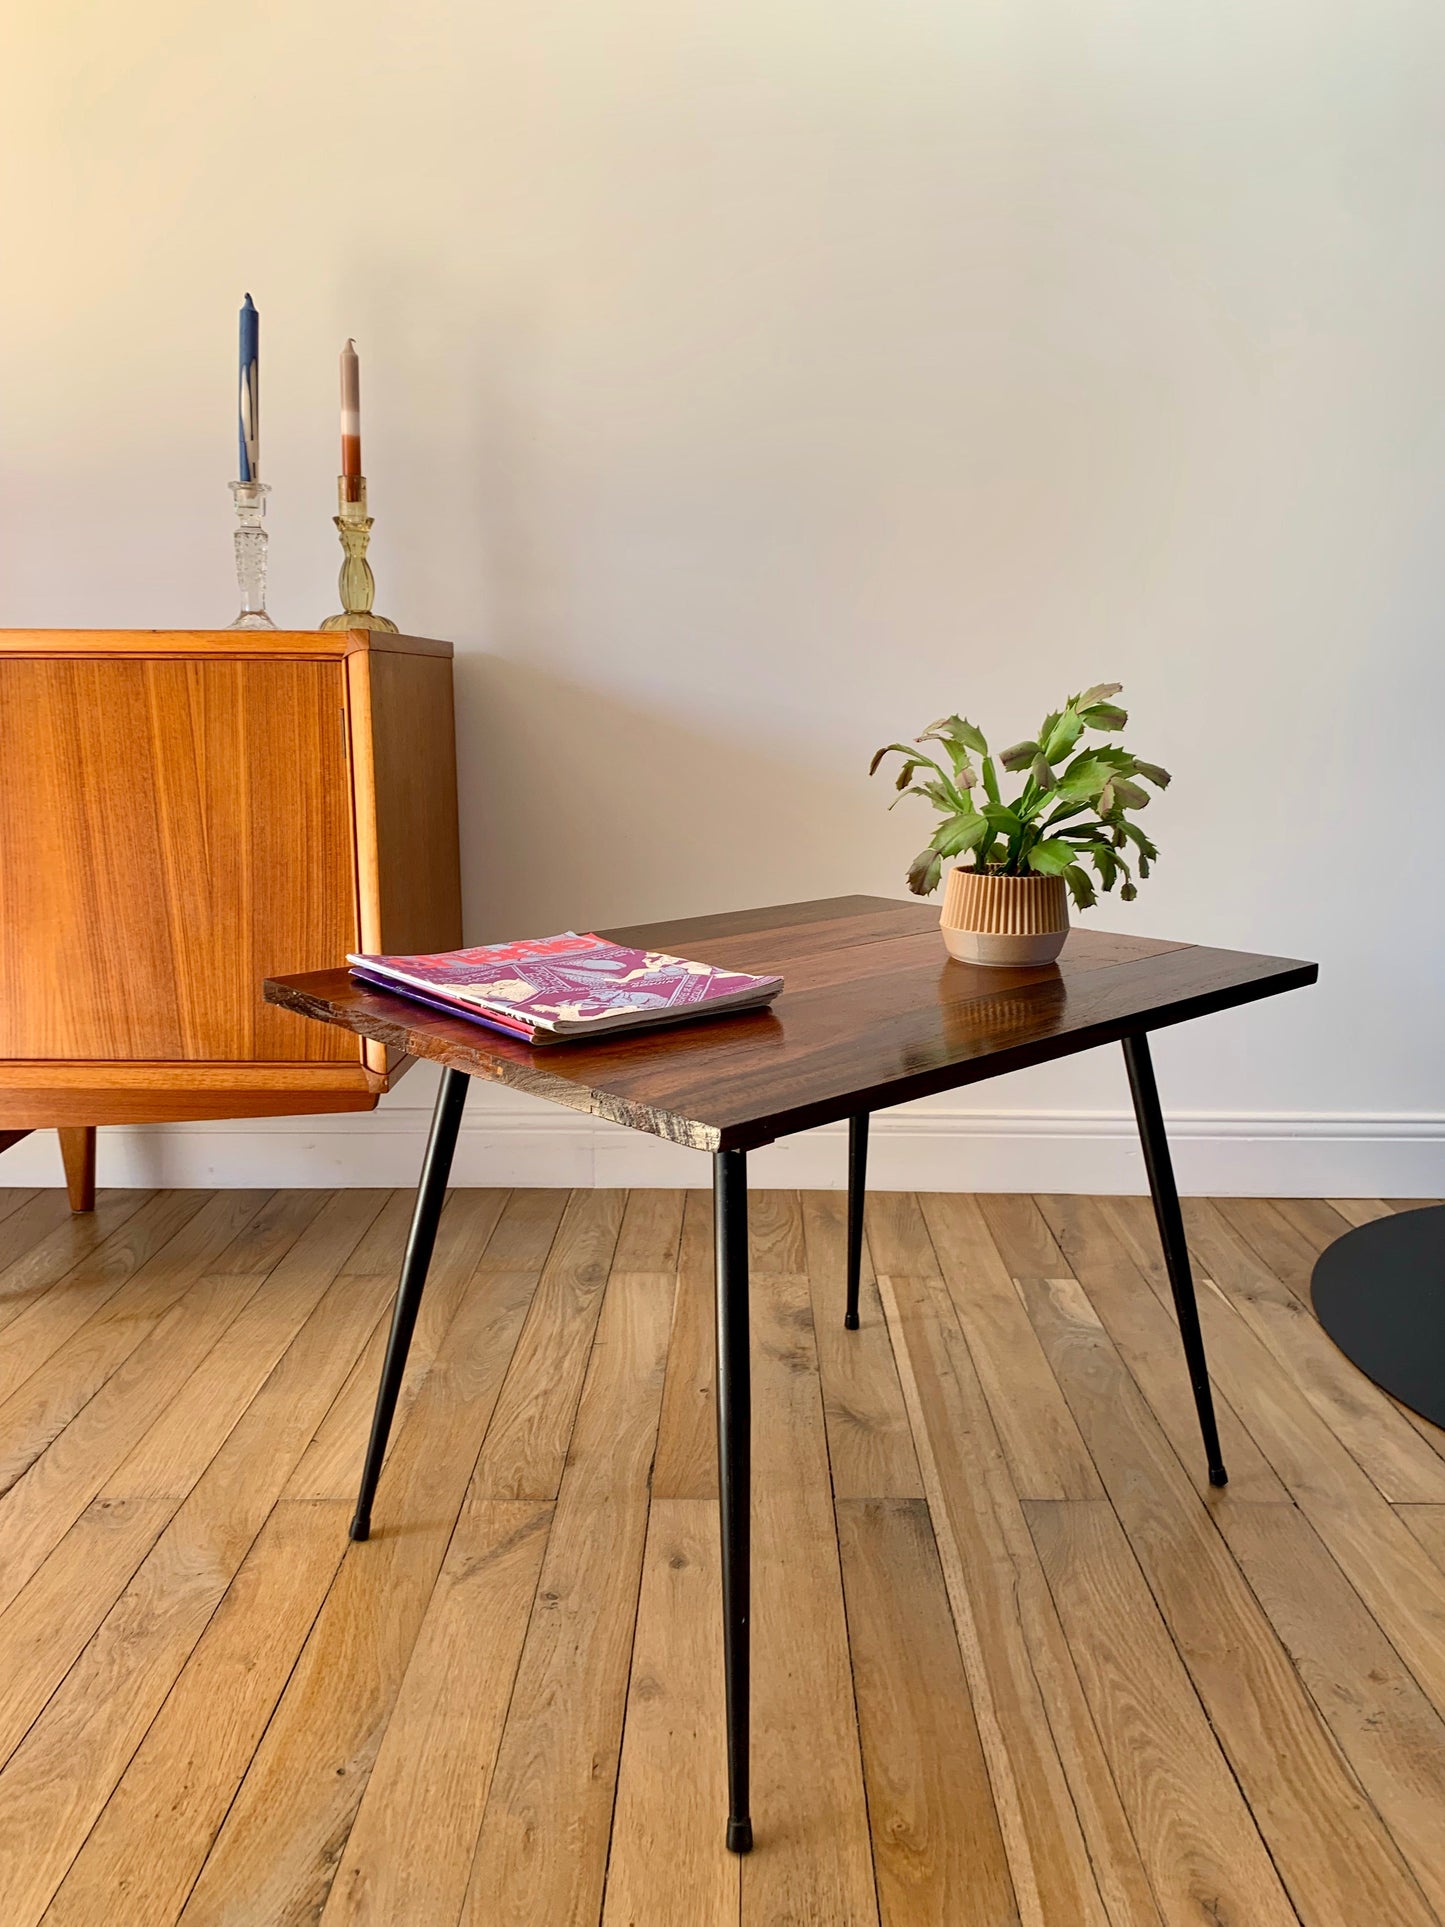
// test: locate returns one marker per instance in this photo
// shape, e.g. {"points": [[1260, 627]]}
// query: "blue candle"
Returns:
{"points": [[250, 417]]}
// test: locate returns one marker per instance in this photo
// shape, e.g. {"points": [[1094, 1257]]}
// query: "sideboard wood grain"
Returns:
{"points": [[183, 814]]}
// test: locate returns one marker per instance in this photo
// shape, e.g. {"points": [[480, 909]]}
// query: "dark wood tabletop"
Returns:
{"points": [[873, 1012]]}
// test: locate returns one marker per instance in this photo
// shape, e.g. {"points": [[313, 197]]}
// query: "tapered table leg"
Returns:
{"points": [[734, 1457], [1171, 1236], [857, 1186], [430, 1196]]}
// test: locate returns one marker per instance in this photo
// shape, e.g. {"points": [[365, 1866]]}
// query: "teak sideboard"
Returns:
{"points": [[184, 813]]}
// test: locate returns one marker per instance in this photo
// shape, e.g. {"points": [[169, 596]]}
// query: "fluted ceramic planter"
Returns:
{"points": [[989, 918]]}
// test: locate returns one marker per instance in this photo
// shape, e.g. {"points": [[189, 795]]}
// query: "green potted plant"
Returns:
{"points": [[1010, 903]]}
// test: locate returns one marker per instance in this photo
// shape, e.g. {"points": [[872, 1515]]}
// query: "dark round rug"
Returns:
{"points": [[1380, 1294]]}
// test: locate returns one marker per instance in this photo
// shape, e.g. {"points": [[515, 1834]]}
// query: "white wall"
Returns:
{"points": [[747, 384]]}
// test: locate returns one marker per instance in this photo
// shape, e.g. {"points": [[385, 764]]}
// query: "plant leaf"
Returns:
{"points": [[1099, 693], [957, 734], [1019, 755], [1003, 818], [904, 749], [924, 872], [1105, 716], [990, 780], [1081, 889], [1084, 778], [1062, 737], [959, 834], [1140, 840], [941, 796], [1152, 772], [915, 791], [1130, 795], [1052, 857], [1043, 774]]}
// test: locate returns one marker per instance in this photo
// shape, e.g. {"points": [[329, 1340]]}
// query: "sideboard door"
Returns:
{"points": [[173, 831]]}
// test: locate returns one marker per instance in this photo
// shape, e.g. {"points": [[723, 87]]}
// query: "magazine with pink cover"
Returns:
{"points": [[572, 985]]}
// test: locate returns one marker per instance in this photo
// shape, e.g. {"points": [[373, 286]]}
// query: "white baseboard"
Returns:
{"points": [[510, 1139]]}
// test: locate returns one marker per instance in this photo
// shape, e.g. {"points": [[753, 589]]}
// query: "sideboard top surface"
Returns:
{"points": [[251, 643]]}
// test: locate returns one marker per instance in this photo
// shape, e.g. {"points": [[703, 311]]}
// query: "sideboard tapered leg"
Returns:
{"points": [[77, 1149]]}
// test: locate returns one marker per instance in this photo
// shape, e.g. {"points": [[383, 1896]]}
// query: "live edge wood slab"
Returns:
{"points": [[873, 1013]]}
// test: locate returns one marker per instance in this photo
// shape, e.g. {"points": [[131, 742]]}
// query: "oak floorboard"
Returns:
{"points": [[541, 1853], [61, 1307], [777, 1240], [43, 1404], [937, 1850], [1383, 1724], [35, 1216], [1145, 1332], [70, 1760], [72, 1466], [1206, 1861], [1427, 1523], [278, 1847], [1378, 1554], [810, 1864], [526, 1445], [1335, 1858], [870, 1449], [897, 1236], [50, 1620], [1315, 1221], [1357, 1211], [651, 1231], [1015, 1664], [1381, 1438], [664, 1866], [409, 1851], [686, 1463], [1046, 1455], [485, 1220], [155, 1831], [28, 1278], [1288, 1233], [1026, 1695]]}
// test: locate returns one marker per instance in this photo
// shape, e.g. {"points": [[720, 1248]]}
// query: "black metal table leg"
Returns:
{"points": [[857, 1185], [1171, 1236], [734, 1457], [431, 1194]]}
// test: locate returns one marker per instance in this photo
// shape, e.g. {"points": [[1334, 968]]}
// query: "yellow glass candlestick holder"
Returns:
{"points": [[356, 582]]}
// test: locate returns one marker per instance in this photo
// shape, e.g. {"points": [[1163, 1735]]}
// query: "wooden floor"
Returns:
{"points": [[1013, 1660]]}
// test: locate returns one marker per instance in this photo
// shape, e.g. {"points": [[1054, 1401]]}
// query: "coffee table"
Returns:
{"points": [[873, 1013]]}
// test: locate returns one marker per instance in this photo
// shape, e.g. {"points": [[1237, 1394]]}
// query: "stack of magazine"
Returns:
{"points": [[551, 988]]}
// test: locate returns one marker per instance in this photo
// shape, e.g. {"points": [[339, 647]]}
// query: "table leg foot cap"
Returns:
{"points": [[740, 1836], [850, 1321], [1218, 1475], [360, 1527]]}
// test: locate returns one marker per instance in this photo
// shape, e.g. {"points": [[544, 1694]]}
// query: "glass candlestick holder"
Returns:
{"points": [[356, 582], [251, 538]]}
